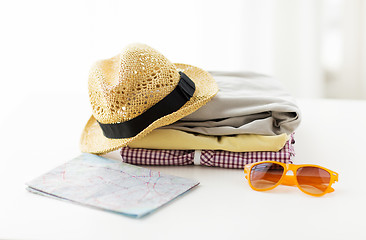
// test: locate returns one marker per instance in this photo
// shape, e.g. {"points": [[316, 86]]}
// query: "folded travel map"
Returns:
{"points": [[110, 185]]}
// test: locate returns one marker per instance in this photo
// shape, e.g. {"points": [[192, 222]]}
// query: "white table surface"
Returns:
{"points": [[41, 131]]}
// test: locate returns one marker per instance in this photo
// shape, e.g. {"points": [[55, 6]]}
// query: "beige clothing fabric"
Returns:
{"points": [[181, 140], [247, 103]]}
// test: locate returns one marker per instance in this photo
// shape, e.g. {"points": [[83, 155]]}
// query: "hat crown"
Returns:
{"points": [[125, 86]]}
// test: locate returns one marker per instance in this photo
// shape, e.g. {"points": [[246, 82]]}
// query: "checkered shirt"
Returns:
{"points": [[212, 158]]}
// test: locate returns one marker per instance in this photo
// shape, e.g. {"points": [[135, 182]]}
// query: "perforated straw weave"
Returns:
{"points": [[125, 86]]}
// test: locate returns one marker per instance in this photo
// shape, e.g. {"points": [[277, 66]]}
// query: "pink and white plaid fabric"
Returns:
{"points": [[212, 158]]}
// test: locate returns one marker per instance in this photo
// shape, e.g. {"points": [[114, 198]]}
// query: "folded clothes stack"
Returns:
{"points": [[252, 118], [166, 113]]}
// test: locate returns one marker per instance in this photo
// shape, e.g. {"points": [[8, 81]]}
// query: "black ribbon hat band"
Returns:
{"points": [[171, 103]]}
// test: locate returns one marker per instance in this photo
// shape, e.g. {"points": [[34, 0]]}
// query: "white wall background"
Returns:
{"points": [[315, 47]]}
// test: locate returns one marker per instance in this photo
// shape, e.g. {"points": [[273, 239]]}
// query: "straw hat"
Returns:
{"points": [[138, 91]]}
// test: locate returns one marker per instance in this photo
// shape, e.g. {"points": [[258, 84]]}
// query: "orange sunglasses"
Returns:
{"points": [[310, 179]]}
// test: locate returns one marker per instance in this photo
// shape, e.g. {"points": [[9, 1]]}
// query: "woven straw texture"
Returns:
{"points": [[125, 86]]}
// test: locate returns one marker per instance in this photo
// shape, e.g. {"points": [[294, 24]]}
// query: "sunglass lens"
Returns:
{"points": [[313, 180], [265, 175]]}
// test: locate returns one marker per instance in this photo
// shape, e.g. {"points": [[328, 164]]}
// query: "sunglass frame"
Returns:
{"points": [[291, 180]]}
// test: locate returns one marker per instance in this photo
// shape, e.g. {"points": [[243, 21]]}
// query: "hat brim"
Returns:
{"points": [[92, 138]]}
